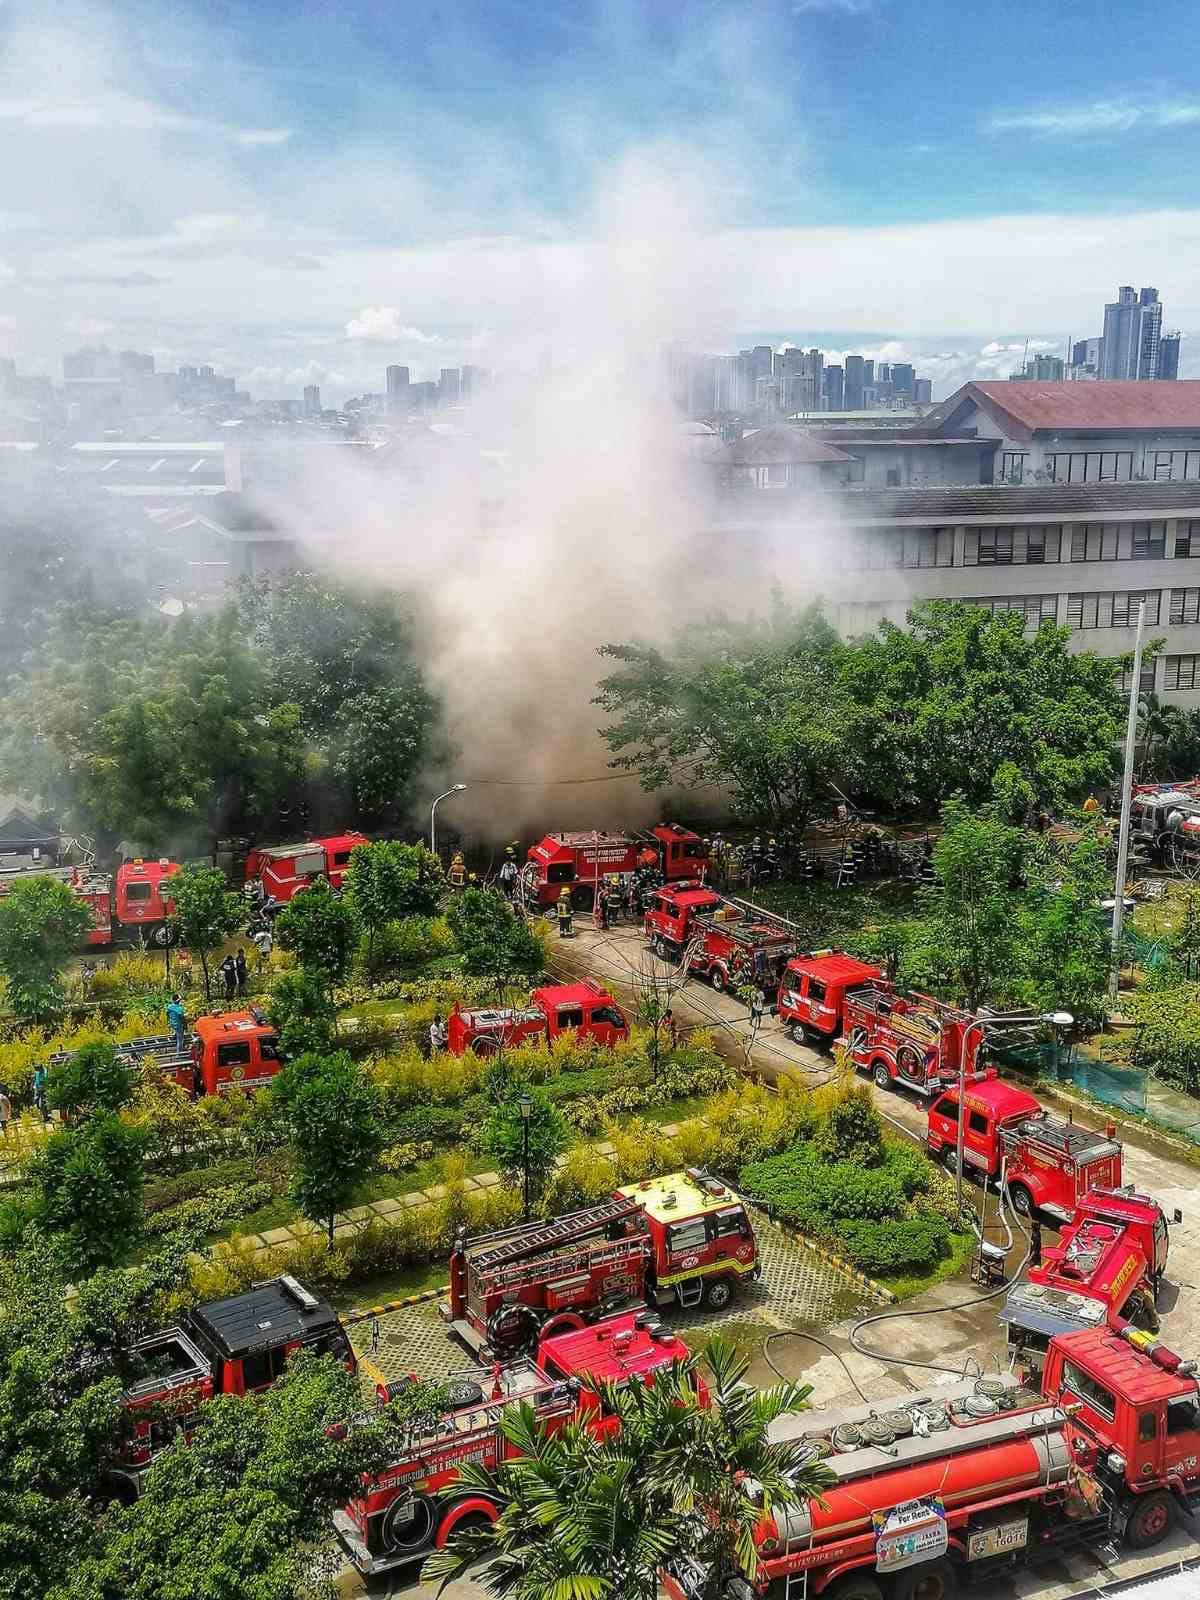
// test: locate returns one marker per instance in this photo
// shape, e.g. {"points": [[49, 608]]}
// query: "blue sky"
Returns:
{"points": [[251, 180]]}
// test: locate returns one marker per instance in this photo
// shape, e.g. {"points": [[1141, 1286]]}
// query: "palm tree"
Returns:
{"points": [[588, 1514], [1155, 723]]}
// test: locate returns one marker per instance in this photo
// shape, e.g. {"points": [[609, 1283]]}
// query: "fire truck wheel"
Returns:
{"points": [[1022, 1200], [858, 1586], [566, 1322], [463, 1392], [950, 1159], [662, 949], [582, 898], [1150, 1520], [163, 935], [484, 1046], [881, 1075], [718, 1294], [465, 1522], [718, 980], [408, 1522], [937, 1581], [512, 1330]]}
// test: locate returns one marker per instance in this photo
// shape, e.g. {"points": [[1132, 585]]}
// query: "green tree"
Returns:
{"points": [[301, 1010], [87, 1183], [389, 880], [1064, 944], [754, 708], [92, 1079], [589, 1518], [42, 924], [378, 749], [334, 1119], [967, 939], [1155, 728], [323, 929], [1185, 941], [491, 939], [961, 701], [206, 913], [502, 1138], [245, 1509]]}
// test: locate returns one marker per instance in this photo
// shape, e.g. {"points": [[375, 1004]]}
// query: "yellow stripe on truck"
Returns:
{"points": [[713, 1266]]}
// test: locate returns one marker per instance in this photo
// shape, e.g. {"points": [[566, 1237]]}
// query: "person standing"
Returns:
{"points": [[228, 972], [177, 1022], [39, 1090], [5, 1113], [758, 1006], [241, 970], [437, 1035], [1035, 1243], [565, 913], [672, 1028], [264, 943], [508, 876]]}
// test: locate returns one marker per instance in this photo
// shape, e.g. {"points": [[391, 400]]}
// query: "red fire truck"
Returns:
{"points": [[911, 1039], [131, 904], [682, 1239], [579, 861], [987, 1476], [737, 944], [230, 1051], [233, 1346], [1107, 1267], [411, 1508], [669, 912], [812, 993], [1050, 1164], [582, 1008], [279, 871]]}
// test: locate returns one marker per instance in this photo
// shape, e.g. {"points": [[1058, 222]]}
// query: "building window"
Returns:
{"points": [[994, 547], [1001, 547], [1091, 466], [1094, 541], [1012, 466], [1149, 541], [1182, 672], [1111, 609], [1185, 607], [1145, 679], [1187, 539], [1037, 608], [893, 477]]}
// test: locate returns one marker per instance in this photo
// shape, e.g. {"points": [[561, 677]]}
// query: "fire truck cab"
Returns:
{"points": [[684, 1239], [585, 1009], [1050, 1164], [282, 870], [234, 1050], [233, 1346], [413, 1507], [141, 898], [668, 917], [812, 993]]}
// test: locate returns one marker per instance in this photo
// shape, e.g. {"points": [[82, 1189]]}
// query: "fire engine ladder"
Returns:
{"points": [[532, 1241]]}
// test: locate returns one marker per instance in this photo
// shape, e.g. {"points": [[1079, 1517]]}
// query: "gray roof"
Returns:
{"points": [[778, 445], [1048, 499]]}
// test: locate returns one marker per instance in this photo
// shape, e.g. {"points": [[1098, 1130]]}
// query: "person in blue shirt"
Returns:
{"points": [[39, 1090], [177, 1022]]}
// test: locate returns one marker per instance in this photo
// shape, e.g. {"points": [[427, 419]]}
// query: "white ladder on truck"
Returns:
{"points": [[532, 1241]]}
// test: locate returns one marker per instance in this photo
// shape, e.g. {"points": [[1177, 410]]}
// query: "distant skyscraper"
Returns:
{"points": [[1132, 325], [1168, 355], [854, 383], [397, 390], [450, 386], [312, 399], [922, 391], [834, 384], [902, 379]]}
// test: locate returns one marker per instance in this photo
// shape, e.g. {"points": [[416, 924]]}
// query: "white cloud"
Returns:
{"points": [[383, 322], [263, 135], [114, 111], [1098, 116]]}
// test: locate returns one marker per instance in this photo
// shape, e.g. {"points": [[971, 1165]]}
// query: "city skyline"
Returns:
{"points": [[234, 154]]}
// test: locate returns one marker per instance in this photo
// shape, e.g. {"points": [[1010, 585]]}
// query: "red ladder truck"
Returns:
{"points": [[231, 1052], [909, 1039], [413, 1506], [682, 1239]]}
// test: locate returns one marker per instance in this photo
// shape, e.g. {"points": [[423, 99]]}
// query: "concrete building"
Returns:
{"points": [[1116, 432], [777, 458], [1040, 369], [833, 397], [397, 390], [855, 383], [1079, 556], [922, 391], [1132, 326], [1168, 355], [312, 400]]}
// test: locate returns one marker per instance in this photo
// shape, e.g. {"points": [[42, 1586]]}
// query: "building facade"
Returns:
{"points": [[1132, 329]]}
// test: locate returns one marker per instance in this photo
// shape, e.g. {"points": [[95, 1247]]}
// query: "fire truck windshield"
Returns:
{"points": [[138, 891]]}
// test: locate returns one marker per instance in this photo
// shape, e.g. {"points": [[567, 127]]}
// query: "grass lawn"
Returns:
{"points": [[904, 1285], [388, 1286]]}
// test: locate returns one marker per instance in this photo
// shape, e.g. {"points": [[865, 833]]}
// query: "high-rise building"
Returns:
{"points": [[397, 390], [902, 379], [922, 391], [834, 386], [450, 386], [1040, 369], [1132, 325], [312, 399], [1168, 355], [854, 383]]}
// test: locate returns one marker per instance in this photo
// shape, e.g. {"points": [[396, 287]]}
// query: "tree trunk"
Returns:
{"points": [[332, 1220], [207, 983]]}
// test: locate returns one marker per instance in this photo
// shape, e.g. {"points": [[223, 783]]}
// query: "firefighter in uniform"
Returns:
{"points": [[600, 909], [565, 913], [508, 875], [612, 900]]}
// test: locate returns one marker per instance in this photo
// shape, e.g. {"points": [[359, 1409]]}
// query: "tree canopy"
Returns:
{"points": [[42, 924], [206, 913], [492, 940], [334, 1119], [322, 928]]}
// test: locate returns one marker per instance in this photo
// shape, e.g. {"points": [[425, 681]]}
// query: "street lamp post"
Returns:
{"points": [[455, 788], [1012, 1019], [526, 1105]]}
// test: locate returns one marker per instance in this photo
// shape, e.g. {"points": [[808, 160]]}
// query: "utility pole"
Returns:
{"points": [[1126, 803]]}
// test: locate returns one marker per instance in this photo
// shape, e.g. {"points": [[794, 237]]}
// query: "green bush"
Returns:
{"points": [[853, 1130], [208, 1212], [236, 1173], [408, 944], [1168, 1042], [911, 1244]]}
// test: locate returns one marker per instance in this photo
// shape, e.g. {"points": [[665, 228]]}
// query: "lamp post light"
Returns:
{"points": [[1011, 1019], [455, 788], [526, 1105]]}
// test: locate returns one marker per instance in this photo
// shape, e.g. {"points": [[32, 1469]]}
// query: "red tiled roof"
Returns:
{"points": [[1077, 407]]}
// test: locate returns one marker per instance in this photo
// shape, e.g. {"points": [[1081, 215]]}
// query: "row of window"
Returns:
{"points": [[1039, 545], [1102, 466], [1113, 608]]}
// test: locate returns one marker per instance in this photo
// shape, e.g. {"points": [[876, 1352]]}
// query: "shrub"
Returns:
{"points": [[208, 1212], [853, 1130], [1168, 1043], [402, 1157], [515, 1142], [640, 1150], [913, 1244], [410, 943], [583, 1178]]}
